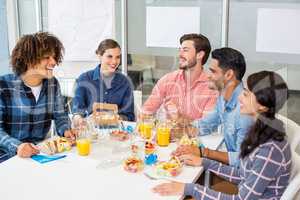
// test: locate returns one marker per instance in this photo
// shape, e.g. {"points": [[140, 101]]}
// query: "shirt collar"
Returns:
{"points": [[232, 102], [202, 78], [96, 74], [19, 83]]}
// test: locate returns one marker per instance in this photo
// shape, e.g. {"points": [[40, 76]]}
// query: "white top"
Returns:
{"points": [[36, 90]]}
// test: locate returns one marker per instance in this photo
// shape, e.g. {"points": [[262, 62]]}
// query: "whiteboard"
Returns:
{"points": [[81, 25], [278, 30], [165, 25]]}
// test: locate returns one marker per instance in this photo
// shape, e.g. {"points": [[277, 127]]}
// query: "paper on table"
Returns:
{"points": [[165, 31], [44, 158], [278, 30]]}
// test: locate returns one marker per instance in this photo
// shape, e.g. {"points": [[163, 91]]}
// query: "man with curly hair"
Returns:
{"points": [[30, 98]]}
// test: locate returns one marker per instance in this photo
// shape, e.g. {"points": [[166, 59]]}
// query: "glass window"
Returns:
{"points": [[150, 63], [4, 52], [27, 16], [244, 38]]}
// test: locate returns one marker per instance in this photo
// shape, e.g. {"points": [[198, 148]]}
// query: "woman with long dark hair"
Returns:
{"points": [[265, 152]]}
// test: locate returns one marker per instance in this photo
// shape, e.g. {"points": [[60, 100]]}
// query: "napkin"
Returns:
{"points": [[45, 158]]}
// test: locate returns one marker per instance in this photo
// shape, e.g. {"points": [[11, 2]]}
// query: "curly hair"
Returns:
{"points": [[270, 91], [30, 50]]}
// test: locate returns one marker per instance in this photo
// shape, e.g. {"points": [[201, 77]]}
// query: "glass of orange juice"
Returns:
{"points": [[83, 143], [145, 130], [83, 146], [163, 132], [145, 127]]}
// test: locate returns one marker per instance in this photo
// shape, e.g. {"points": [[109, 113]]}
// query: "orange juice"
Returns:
{"points": [[145, 130], [163, 136], [83, 146]]}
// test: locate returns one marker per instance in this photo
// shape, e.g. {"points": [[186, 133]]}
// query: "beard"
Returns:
{"points": [[188, 64], [216, 85]]}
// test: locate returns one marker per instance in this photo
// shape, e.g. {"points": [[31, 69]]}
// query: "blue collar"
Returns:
{"points": [[231, 104], [96, 73], [116, 80]]}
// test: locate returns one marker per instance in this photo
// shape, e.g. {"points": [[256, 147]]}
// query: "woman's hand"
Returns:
{"points": [[168, 189], [186, 149], [191, 160]]}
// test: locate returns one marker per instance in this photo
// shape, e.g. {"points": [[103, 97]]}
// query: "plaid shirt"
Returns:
{"points": [[22, 119], [264, 174]]}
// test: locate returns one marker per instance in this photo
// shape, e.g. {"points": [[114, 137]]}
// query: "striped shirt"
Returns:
{"points": [[264, 174], [191, 99], [25, 119]]}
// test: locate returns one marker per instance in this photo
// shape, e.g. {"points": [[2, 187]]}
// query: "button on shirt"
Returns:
{"points": [[193, 100], [91, 88], [25, 119], [234, 126]]}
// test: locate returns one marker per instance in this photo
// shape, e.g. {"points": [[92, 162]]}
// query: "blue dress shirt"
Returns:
{"points": [[234, 126]]}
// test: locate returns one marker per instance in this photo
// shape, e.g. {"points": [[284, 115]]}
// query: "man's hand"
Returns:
{"points": [[71, 135], [186, 149], [191, 160], [144, 116], [192, 131], [78, 122], [26, 150], [168, 189]]}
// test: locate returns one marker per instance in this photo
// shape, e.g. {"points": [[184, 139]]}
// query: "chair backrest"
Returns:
{"points": [[293, 137], [293, 189], [292, 131], [137, 96]]}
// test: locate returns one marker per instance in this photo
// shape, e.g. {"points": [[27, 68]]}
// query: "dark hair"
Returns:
{"points": [[31, 48], [229, 58], [106, 44], [270, 91], [201, 43]]}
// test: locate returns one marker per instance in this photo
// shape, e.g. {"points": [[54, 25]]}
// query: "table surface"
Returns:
{"points": [[88, 178]]}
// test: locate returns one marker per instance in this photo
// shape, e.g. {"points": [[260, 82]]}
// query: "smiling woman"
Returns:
{"points": [[104, 84]]}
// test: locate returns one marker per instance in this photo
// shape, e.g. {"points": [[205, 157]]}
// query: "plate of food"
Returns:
{"points": [[170, 168], [119, 135], [55, 145], [133, 164]]}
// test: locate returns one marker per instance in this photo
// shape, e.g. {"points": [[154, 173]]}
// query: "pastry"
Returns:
{"points": [[133, 164], [170, 168], [119, 135], [56, 145]]}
